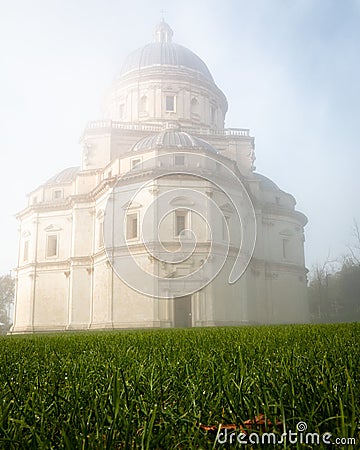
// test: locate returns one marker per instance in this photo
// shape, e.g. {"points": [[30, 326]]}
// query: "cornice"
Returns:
{"points": [[277, 210]]}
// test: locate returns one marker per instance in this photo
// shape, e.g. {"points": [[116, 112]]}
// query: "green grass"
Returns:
{"points": [[153, 389]]}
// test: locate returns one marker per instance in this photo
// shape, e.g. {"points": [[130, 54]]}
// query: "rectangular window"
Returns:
{"points": [[180, 222], [212, 114], [132, 226], [179, 160], [34, 200], [26, 251], [52, 245], [285, 248], [135, 163], [170, 103], [57, 194]]}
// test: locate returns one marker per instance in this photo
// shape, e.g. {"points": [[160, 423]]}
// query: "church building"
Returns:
{"points": [[166, 223]]}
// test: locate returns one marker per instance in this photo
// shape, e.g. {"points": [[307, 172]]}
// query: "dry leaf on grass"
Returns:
{"points": [[257, 423]]}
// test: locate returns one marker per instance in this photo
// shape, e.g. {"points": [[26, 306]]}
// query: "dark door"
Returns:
{"points": [[182, 312]]}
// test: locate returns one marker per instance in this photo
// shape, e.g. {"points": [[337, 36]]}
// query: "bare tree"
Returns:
{"points": [[321, 294], [7, 288], [354, 249]]}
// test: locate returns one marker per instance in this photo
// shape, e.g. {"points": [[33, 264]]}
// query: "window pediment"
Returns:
{"points": [[52, 228], [182, 201], [131, 205]]}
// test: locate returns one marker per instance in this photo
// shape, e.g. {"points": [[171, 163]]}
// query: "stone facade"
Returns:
{"points": [[163, 102]]}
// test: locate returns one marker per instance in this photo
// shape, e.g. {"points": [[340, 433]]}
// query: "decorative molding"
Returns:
{"points": [[182, 201], [52, 228], [131, 205], [272, 275], [286, 232], [154, 190]]}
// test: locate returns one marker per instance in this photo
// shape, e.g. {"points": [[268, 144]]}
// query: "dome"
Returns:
{"points": [[65, 176], [164, 52], [173, 139]]}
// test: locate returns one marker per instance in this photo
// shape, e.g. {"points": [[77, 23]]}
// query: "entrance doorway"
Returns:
{"points": [[182, 312]]}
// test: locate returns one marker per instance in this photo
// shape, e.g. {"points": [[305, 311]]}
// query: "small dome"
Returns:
{"points": [[65, 176], [164, 52], [173, 139], [265, 183]]}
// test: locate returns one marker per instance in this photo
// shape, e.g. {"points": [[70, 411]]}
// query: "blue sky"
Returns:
{"points": [[289, 68]]}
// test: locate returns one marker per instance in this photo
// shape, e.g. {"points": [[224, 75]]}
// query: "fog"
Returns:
{"points": [[290, 71]]}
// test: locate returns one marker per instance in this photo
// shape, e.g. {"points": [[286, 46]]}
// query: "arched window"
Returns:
{"points": [[194, 106]]}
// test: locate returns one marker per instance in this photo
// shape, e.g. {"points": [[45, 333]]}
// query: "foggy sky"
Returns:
{"points": [[290, 71]]}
